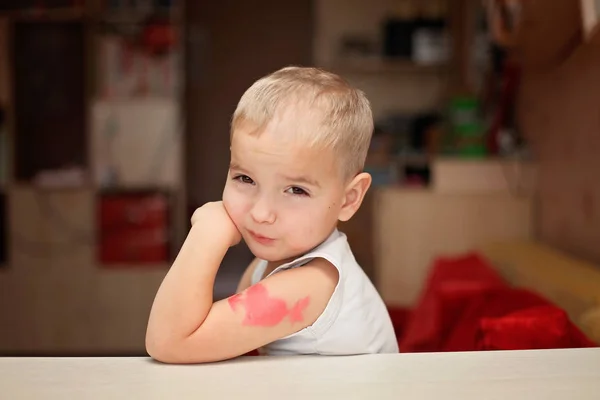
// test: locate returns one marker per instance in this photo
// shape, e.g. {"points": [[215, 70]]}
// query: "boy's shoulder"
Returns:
{"points": [[336, 247]]}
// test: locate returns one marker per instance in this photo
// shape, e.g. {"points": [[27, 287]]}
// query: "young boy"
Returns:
{"points": [[299, 139]]}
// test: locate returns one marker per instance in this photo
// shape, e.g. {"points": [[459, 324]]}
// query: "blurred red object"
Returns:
{"points": [[158, 37], [133, 228], [467, 306], [450, 287], [542, 327]]}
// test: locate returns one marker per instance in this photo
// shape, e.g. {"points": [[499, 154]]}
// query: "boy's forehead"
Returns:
{"points": [[288, 124], [277, 136], [287, 156], [267, 147]]}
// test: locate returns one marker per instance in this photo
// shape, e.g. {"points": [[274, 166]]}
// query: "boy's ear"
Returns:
{"points": [[355, 193]]}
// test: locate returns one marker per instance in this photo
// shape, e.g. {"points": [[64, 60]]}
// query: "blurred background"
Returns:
{"points": [[114, 127]]}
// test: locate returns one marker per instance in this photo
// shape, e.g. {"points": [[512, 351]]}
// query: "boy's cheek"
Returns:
{"points": [[230, 197], [234, 205]]}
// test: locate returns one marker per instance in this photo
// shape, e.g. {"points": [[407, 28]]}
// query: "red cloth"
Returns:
{"points": [[399, 317], [544, 327], [449, 289], [467, 306], [493, 304]]}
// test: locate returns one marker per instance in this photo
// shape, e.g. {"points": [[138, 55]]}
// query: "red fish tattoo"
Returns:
{"points": [[264, 310]]}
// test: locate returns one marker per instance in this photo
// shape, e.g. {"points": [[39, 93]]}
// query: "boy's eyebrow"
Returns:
{"points": [[234, 165], [303, 179]]}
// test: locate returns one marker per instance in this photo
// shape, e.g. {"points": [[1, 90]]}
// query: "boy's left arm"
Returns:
{"points": [[186, 327]]}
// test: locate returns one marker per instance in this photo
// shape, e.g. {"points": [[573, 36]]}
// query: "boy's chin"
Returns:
{"points": [[272, 255]]}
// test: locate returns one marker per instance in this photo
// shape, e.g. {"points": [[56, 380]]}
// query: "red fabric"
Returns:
{"points": [[492, 304], [467, 306], [451, 285], [543, 327], [399, 317]]}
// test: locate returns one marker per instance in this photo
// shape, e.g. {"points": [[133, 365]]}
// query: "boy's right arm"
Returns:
{"points": [[246, 279]]}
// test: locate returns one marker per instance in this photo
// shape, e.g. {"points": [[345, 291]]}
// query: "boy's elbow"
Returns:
{"points": [[172, 352], [156, 352], [162, 350]]}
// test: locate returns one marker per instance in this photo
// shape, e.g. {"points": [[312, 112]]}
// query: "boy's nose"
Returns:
{"points": [[263, 212]]}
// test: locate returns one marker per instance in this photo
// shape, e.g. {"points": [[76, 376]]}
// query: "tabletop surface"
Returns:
{"points": [[545, 374]]}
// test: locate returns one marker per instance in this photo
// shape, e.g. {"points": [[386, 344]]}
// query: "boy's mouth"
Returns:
{"points": [[260, 238]]}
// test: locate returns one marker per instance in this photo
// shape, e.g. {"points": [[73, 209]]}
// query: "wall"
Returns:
{"points": [[559, 113], [54, 297]]}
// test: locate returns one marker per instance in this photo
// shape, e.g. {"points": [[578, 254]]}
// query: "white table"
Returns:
{"points": [[550, 374]]}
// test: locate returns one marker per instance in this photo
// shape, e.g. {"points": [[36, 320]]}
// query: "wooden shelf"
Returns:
{"points": [[175, 15], [50, 14], [383, 66]]}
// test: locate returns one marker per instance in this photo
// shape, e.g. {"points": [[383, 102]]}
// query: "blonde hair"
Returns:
{"points": [[341, 116]]}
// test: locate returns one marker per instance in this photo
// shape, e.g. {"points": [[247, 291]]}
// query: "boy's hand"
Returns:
{"points": [[214, 218]]}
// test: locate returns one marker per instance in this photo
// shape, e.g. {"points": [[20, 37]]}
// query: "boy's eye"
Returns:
{"points": [[245, 179], [297, 191]]}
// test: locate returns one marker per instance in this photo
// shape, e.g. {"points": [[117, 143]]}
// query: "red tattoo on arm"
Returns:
{"points": [[263, 310], [235, 301]]}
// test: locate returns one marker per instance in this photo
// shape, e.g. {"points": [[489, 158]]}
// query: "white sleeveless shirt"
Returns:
{"points": [[355, 321]]}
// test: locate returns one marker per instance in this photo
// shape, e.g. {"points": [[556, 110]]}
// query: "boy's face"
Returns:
{"points": [[285, 198]]}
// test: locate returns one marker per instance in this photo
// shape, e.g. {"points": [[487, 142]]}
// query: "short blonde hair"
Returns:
{"points": [[344, 120]]}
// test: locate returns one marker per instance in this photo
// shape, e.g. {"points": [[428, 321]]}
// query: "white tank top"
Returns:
{"points": [[355, 321]]}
